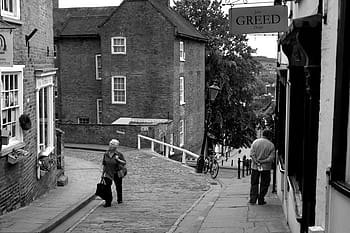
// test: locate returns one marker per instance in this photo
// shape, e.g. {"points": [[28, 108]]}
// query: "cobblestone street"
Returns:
{"points": [[156, 192]]}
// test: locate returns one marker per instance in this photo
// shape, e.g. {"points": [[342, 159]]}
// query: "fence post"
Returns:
{"points": [[167, 151], [239, 168], [222, 162], [138, 142], [183, 160], [152, 145]]}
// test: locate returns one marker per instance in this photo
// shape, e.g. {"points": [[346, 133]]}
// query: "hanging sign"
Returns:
{"points": [[6, 47], [258, 19]]}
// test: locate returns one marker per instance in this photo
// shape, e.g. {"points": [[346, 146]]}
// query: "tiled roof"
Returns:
{"points": [[183, 27], [79, 21], [82, 26]]}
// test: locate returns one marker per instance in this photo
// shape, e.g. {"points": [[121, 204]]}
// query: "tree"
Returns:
{"points": [[229, 62]]}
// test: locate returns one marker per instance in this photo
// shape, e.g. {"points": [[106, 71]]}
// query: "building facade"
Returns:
{"points": [[313, 133], [136, 64], [27, 157]]}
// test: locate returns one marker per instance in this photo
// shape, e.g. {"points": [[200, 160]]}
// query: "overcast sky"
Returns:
{"points": [[265, 43]]}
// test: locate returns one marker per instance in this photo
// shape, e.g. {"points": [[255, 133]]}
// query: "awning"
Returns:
{"points": [[139, 121]]}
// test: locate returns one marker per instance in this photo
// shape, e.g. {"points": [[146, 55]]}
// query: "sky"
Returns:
{"points": [[266, 44]]}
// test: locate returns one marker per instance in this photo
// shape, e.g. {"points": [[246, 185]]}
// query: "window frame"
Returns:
{"points": [[182, 51], [182, 133], [16, 69], [182, 90], [46, 81], [113, 90], [115, 45], [99, 111], [341, 121], [98, 68], [80, 119], [16, 10]]}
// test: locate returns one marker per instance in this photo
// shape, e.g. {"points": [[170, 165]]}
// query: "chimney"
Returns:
{"points": [[55, 4]]}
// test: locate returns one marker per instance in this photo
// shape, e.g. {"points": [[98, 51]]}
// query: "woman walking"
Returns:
{"points": [[112, 162]]}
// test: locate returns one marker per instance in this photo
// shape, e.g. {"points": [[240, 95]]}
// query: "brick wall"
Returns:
{"points": [[18, 183], [78, 87], [193, 71], [102, 134], [148, 64]]}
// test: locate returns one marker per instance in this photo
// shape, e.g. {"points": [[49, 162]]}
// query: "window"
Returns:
{"points": [[182, 91], [99, 111], [83, 120], [182, 51], [118, 45], [10, 8], [11, 104], [182, 132], [119, 90], [45, 112], [98, 67]]}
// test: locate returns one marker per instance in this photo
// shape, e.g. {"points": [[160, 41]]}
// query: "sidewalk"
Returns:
{"points": [[223, 208], [226, 210], [48, 211]]}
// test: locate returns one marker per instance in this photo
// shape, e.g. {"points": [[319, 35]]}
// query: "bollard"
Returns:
{"points": [[243, 165], [232, 163], [222, 162], [239, 168]]}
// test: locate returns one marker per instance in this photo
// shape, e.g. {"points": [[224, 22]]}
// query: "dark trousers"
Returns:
{"points": [[265, 178], [118, 184]]}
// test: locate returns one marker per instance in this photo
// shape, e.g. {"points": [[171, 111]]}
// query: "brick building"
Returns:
{"points": [[136, 64], [27, 102]]}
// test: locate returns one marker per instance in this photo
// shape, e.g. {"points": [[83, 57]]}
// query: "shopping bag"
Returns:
{"points": [[102, 189]]}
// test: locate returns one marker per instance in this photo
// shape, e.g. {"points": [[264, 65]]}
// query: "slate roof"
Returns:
{"points": [[183, 27], [76, 22], [81, 21], [82, 26]]}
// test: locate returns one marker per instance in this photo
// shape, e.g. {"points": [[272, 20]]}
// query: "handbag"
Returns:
{"points": [[102, 189], [122, 172]]}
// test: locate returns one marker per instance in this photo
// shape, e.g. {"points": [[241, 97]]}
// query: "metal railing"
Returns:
{"points": [[167, 148]]}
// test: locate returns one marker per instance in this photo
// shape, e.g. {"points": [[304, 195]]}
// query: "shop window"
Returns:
{"points": [[11, 104]]}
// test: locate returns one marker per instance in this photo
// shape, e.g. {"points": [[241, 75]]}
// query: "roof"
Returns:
{"points": [[82, 26], [139, 121], [79, 21], [183, 27]]}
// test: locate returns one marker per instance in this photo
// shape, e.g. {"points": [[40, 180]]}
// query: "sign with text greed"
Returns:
{"points": [[258, 19]]}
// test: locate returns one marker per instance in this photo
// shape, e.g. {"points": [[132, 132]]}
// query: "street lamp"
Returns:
{"points": [[213, 91]]}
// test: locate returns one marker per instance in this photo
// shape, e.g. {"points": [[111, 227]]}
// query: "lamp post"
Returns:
{"points": [[212, 92]]}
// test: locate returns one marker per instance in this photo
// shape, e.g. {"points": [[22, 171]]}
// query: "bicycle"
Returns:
{"points": [[211, 164]]}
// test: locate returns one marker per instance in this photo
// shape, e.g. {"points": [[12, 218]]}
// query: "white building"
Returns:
{"points": [[313, 133]]}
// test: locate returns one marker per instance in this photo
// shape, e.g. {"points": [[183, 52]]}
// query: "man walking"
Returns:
{"points": [[262, 153]]}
